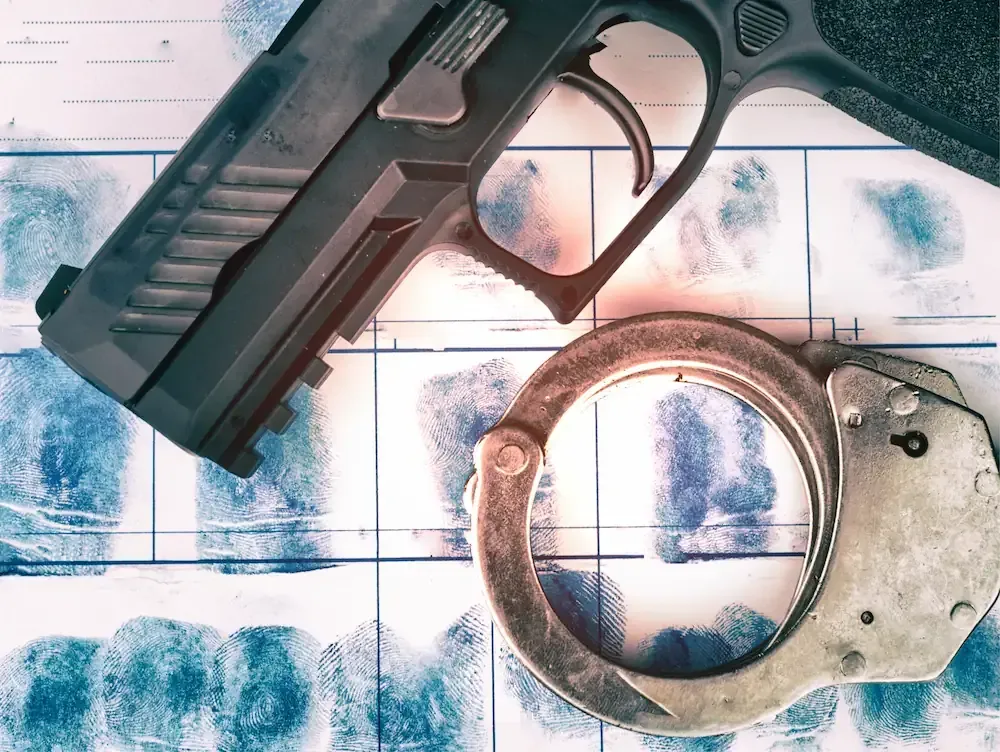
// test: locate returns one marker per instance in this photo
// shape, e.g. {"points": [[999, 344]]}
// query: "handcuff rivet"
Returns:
{"points": [[963, 615], [904, 400], [853, 664], [511, 460], [987, 483]]}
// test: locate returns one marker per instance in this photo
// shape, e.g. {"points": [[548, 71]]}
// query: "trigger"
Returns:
{"points": [[581, 77]]}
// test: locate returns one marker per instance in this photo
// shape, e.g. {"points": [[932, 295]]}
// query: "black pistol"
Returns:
{"points": [[357, 142]]}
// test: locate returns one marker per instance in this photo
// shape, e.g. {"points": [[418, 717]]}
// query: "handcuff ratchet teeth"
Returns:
{"points": [[903, 555]]}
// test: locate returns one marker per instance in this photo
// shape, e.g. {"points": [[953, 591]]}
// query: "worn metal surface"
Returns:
{"points": [[825, 356], [903, 557]]}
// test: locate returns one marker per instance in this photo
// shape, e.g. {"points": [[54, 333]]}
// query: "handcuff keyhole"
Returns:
{"points": [[913, 443]]}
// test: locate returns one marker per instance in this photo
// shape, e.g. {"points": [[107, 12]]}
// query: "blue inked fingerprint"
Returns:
{"points": [[743, 628], [64, 447], [48, 692], [253, 24], [550, 711], [265, 691], [690, 452], [973, 676], [723, 221], [681, 744], [436, 701], [802, 724], [280, 512], [746, 500], [513, 206], [693, 436], [592, 608], [679, 651], [430, 700], [924, 225], [156, 684], [687, 452], [454, 410], [688, 650], [594, 611], [348, 674], [886, 714], [684, 650], [750, 199], [716, 233], [53, 210]]}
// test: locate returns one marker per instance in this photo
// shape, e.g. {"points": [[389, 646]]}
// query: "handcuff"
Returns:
{"points": [[903, 554]]}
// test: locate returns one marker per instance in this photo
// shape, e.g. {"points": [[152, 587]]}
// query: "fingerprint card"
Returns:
{"points": [[734, 244], [76, 472], [182, 658], [330, 602], [311, 501], [58, 210], [110, 74], [899, 237], [528, 715], [702, 498], [432, 409], [435, 658]]}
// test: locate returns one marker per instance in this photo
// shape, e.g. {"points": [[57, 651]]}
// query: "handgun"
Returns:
{"points": [[356, 144]]}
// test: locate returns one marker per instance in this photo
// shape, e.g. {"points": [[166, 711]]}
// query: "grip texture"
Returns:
{"points": [[942, 54], [875, 113]]}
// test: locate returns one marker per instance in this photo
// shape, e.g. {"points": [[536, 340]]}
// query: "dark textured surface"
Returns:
{"points": [[942, 54], [864, 107]]}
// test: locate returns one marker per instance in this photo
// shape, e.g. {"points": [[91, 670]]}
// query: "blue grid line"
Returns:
{"points": [[948, 316], [510, 147], [327, 560], [366, 531], [493, 686], [593, 233], [555, 348], [378, 558], [410, 350], [100, 153], [600, 579], [153, 489], [809, 287], [927, 345], [855, 328]]}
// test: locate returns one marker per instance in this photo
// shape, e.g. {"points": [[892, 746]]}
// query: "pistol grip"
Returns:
{"points": [[930, 75]]}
